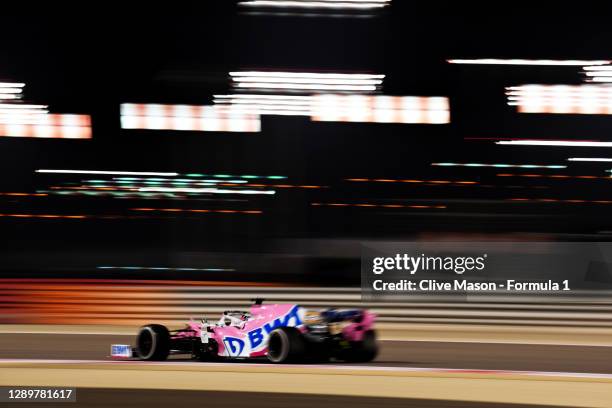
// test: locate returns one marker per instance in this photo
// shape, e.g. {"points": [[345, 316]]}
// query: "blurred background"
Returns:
{"points": [[158, 166]]}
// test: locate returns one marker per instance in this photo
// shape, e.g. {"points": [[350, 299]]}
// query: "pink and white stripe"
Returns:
{"points": [[380, 109], [187, 117]]}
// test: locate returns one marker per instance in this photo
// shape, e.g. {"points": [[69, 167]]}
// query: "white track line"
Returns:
{"points": [[438, 370]]}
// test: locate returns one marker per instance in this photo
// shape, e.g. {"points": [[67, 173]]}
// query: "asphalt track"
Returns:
{"points": [[550, 376], [484, 356], [103, 398]]}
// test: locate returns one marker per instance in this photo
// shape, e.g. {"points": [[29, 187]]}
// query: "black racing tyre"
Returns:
{"points": [[363, 351], [153, 342], [286, 345]]}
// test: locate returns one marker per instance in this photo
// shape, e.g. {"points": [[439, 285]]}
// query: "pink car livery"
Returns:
{"points": [[282, 333]]}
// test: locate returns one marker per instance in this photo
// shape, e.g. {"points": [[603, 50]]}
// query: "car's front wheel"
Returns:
{"points": [[153, 342]]}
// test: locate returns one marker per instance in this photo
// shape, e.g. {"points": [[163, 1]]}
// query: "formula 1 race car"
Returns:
{"points": [[283, 333]]}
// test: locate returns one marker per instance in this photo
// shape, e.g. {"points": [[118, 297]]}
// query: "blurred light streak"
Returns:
{"points": [[24, 194], [312, 75], [319, 4], [598, 73], [206, 190], [134, 173], [45, 126], [44, 216], [168, 180], [306, 80], [568, 143], [266, 104], [558, 200], [562, 99], [282, 186], [303, 82], [501, 165], [12, 84], [411, 181], [163, 268], [186, 117], [309, 87], [20, 106], [380, 109], [367, 205], [9, 90], [221, 211], [589, 159], [553, 176], [494, 61]]}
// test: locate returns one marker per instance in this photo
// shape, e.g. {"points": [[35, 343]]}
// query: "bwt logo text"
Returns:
{"points": [[291, 319]]}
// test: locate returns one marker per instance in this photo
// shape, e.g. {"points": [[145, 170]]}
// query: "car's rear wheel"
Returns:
{"points": [[364, 350], [286, 345], [153, 342]]}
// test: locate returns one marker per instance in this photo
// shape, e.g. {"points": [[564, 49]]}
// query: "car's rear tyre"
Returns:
{"points": [[363, 351], [153, 342], [286, 345]]}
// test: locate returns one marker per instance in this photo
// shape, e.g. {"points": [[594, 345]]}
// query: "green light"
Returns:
{"points": [[276, 177], [222, 175], [249, 177], [195, 175]]}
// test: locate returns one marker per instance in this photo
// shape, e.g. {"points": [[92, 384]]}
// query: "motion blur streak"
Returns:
{"points": [[306, 82], [186, 117], [368, 205], [411, 181], [563, 201], [79, 301], [568, 143], [135, 173], [381, 109], [554, 176], [493, 61], [200, 210], [319, 4], [502, 165], [133, 302], [563, 99], [24, 194], [589, 159], [45, 216], [207, 190], [47, 126], [164, 268]]}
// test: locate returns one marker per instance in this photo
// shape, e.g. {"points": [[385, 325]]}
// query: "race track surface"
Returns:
{"points": [[405, 374], [485, 356], [103, 398]]}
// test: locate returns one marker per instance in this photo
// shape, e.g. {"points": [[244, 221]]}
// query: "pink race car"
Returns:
{"points": [[283, 333]]}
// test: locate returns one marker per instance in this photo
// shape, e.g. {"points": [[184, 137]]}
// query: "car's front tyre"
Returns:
{"points": [[153, 342]]}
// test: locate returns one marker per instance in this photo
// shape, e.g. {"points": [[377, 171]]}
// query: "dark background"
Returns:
{"points": [[91, 62]]}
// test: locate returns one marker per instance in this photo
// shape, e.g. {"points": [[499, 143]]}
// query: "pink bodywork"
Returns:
{"points": [[265, 318], [355, 331]]}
